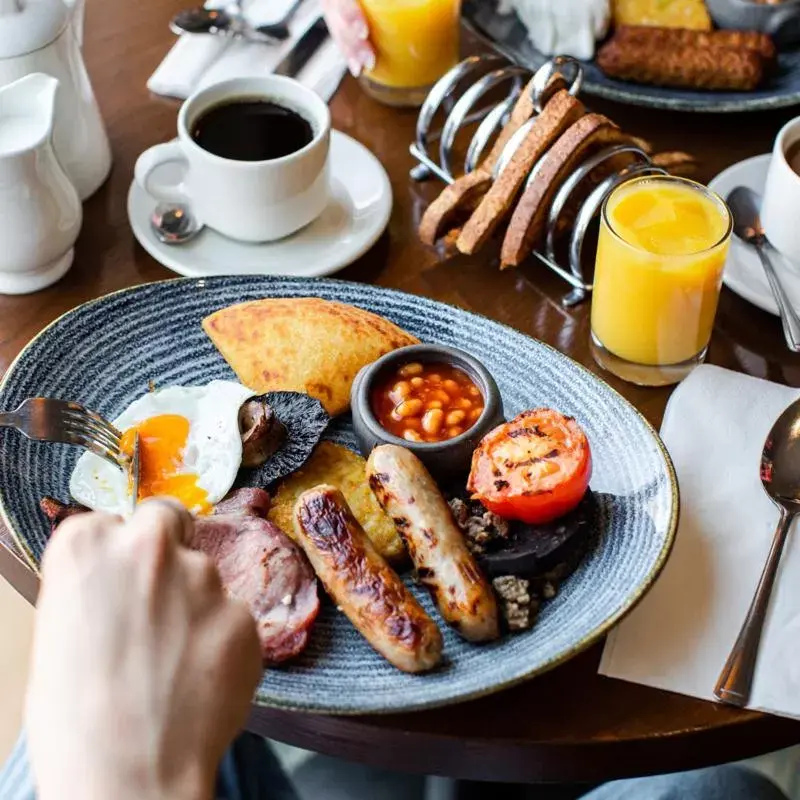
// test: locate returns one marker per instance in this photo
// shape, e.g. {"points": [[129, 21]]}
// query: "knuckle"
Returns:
{"points": [[160, 520]]}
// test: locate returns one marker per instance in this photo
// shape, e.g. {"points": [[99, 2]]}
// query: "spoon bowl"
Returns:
{"points": [[780, 476], [745, 204], [174, 223], [780, 461], [201, 20]]}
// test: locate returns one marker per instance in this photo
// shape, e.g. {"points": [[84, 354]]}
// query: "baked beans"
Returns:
{"points": [[427, 402]]}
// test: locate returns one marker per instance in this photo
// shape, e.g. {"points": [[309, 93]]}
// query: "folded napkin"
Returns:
{"points": [[680, 635], [199, 60]]}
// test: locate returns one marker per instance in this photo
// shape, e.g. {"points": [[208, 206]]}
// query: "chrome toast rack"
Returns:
{"points": [[455, 97]]}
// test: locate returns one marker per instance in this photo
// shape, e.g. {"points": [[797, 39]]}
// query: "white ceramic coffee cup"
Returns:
{"points": [[782, 195], [253, 201]]}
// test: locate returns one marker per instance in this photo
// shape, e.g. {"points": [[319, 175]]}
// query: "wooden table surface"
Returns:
{"points": [[568, 725]]}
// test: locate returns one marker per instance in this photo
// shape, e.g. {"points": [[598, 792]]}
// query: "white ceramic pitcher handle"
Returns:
{"points": [[168, 153]]}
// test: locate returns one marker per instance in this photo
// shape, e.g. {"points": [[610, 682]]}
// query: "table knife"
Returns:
{"points": [[303, 50]]}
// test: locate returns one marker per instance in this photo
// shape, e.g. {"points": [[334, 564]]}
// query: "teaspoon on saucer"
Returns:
{"points": [[744, 204], [780, 476], [173, 223]]}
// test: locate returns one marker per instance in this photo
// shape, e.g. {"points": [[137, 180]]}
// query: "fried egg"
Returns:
{"points": [[190, 449]]}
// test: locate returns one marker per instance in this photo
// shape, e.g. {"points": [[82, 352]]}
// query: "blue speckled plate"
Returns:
{"points": [[104, 353], [506, 34]]}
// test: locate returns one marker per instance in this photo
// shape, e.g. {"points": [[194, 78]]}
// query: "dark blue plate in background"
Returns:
{"points": [[506, 34], [105, 352]]}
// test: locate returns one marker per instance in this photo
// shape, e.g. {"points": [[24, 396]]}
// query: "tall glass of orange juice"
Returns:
{"points": [[415, 43], [660, 256]]}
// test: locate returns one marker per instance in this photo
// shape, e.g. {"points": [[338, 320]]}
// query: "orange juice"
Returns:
{"points": [[660, 256], [415, 42]]}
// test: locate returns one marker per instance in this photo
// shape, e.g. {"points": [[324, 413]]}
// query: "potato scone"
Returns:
{"points": [[336, 465], [665, 13], [302, 344]]}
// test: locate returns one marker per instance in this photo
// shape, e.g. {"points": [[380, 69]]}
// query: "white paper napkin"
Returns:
{"points": [[680, 635], [199, 60]]}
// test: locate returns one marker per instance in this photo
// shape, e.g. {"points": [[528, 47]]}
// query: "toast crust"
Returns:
{"points": [[561, 111], [526, 228], [463, 195]]}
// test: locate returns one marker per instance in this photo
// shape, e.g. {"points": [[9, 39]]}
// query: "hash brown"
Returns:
{"points": [[333, 464]]}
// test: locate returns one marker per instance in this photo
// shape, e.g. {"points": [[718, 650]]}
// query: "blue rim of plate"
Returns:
{"points": [[339, 673], [507, 35]]}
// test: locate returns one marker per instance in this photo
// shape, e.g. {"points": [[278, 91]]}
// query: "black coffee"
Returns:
{"points": [[252, 130], [793, 156]]}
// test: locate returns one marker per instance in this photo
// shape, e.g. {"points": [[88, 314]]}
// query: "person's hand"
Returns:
{"points": [[350, 31], [142, 670]]}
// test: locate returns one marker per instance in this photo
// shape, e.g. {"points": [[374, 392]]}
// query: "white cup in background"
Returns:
{"points": [[252, 201], [780, 211]]}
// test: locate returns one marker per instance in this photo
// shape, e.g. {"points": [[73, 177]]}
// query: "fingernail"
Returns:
{"points": [[361, 30], [354, 65], [369, 60]]}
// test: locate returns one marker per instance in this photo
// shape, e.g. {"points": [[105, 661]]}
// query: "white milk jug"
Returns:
{"points": [[36, 36], [40, 211]]}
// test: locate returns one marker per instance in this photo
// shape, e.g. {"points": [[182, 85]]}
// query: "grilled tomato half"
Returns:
{"points": [[534, 468]]}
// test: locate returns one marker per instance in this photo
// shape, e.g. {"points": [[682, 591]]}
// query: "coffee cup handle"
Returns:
{"points": [[168, 153]]}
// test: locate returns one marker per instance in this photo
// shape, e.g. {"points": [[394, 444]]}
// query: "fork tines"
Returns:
{"points": [[86, 428]]}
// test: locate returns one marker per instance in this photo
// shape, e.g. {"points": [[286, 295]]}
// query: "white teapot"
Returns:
{"points": [[40, 212], [36, 36]]}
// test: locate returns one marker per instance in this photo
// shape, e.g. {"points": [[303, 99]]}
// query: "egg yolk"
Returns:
{"points": [[162, 443]]}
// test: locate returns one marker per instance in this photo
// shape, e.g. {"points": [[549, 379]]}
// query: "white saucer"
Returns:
{"points": [[743, 272], [361, 201]]}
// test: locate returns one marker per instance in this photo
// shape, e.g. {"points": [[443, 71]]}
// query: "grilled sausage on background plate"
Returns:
{"points": [[444, 565], [362, 584]]}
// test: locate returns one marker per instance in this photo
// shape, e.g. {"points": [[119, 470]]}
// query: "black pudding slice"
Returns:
{"points": [[551, 551]]}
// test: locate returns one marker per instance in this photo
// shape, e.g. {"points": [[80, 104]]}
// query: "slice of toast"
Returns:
{"points": [[462, 196], [526, 228], [561, 111], [466, 191], [456, 199]]}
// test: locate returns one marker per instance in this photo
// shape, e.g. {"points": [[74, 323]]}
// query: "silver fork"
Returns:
{"points": [[46, 419]]}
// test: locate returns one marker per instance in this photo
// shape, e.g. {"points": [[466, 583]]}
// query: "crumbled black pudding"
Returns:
{"points": [[516, 604], [481, 528], [526, 563]]}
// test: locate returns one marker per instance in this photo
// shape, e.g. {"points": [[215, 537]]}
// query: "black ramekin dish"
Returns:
{"points": [[443, 459]]}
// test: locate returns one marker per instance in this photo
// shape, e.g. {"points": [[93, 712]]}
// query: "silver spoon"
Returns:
{"points": [[744, 204], [173, 223], [780, 476], [232, 23]]}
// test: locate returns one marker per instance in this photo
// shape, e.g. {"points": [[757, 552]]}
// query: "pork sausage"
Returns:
{"points": [[681, 65], [423, 519], [362, 584]]}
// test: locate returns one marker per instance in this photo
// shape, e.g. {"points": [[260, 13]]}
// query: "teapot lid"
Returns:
{"points": [[28, 25]]}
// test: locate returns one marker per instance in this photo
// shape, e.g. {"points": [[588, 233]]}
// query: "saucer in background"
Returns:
{"points": [[354, 219], [743, 272]]}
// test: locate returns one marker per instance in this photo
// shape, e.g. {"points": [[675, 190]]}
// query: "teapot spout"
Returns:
{"points": [[27, 111]]}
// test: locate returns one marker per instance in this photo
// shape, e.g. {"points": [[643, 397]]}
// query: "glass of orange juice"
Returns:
{"points": [[415, 43], [660, 256]]}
